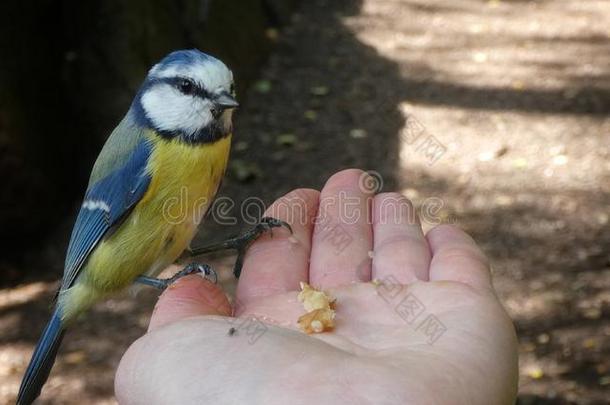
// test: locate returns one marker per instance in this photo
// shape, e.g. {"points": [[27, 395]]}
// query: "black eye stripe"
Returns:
{"points": [[192, 88]]}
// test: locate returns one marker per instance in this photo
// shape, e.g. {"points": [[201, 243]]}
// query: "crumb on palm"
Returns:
{"points": [[320, 308]]}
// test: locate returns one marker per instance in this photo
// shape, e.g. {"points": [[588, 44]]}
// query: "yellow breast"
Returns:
{"points": [[184, 181]]}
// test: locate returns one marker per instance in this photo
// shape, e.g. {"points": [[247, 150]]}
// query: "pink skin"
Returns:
{"points": [[374, 355]]}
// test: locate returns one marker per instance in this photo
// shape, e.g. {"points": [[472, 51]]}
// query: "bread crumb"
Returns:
{"points": [[320, 309]]}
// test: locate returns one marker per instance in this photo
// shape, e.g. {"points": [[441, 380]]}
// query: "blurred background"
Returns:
{"points": [[493, 115]]}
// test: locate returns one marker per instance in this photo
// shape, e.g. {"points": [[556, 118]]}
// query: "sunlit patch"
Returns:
{"points": [[23, 294]]}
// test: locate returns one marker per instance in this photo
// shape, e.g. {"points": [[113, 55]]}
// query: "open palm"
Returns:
{"points": [[417, 321]]}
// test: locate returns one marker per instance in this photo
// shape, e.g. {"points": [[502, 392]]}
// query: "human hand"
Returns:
{"points": [[430, 330]]}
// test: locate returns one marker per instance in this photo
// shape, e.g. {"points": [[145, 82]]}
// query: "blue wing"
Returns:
{"points": [[106, 203]]}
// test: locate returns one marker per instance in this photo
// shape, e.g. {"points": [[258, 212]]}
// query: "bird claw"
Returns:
{"points": [[191, 268], [241, 242], [266, 224]]}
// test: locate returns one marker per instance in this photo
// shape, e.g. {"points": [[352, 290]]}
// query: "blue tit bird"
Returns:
{"points": [[172, 144]]}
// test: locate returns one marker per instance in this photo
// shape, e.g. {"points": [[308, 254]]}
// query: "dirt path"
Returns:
{"points": [[492, 115]]}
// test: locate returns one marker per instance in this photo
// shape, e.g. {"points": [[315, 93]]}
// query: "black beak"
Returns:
{"points": [[225, 101]]}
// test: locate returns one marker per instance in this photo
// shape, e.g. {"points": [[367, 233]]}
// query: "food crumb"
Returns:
{"points": [[320, 309]]}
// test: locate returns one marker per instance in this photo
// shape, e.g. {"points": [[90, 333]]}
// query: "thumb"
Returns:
{"points": [[188, 297]]}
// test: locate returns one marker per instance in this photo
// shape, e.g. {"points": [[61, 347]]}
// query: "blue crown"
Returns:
{"points": [[185, 57]]}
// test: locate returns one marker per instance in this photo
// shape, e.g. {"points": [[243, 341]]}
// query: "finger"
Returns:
{"points": [[278, 262], [187, 297], [401, 252], [456, 257], [343, 238]]}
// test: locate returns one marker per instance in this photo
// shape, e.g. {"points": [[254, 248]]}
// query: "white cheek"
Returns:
{"points": [[170, 110]]}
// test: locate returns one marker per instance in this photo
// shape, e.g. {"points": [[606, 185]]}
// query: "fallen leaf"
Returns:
{"points": [[240, 146], [605, 380], [286, 139], [358, 133], [272, 33], [486, 156], [560, 160], [592, 313], [263, 86], [517, 85], [245, 171], [311, 115], [502, 151], [319, 91], [520, 163], [535, 372], [75, 357]]}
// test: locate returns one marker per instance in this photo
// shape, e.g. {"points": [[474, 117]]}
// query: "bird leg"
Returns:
{"points": [[191, 268], [241, 242]]}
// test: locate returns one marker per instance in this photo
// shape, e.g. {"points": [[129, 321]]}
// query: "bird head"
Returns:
{"points": [[188, 95]]}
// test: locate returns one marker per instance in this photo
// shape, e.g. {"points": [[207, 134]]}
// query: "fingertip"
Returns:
{"points": [[296, 208], [189, 296], [445, 235], [457, 257], [446, 232], [307, 193], [346, 179]]}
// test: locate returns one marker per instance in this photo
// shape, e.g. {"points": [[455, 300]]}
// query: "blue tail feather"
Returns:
{"points": [[42, 361]]}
